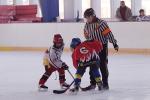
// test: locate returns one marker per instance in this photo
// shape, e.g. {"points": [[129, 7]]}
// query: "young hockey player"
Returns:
{"points": [[52, 62], [85, 55]]}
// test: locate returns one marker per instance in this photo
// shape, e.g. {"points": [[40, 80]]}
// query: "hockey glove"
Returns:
{"points": [[65, 66], [46, 68], [116, 47]]}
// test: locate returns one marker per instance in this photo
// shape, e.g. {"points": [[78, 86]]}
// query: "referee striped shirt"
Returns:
{"points": [[100, 31]]}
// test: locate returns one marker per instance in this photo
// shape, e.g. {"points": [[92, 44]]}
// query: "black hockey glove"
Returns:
{"points": [[46, 68], [65, 66], [116, 47]]}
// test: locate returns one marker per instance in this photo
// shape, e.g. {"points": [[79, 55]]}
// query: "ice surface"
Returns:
{"points": [[20, 72]]}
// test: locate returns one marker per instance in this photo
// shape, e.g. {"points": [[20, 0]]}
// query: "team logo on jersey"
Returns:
{"points": [[83, 50]]}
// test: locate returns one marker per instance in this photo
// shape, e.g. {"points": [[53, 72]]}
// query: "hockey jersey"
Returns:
{"points": [[86, 51], [52, 57]]}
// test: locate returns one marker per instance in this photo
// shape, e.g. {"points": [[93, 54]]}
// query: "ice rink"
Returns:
{"points": [[20, 72]]}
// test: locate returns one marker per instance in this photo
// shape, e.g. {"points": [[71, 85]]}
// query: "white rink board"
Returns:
{"points": [[129, 34]]}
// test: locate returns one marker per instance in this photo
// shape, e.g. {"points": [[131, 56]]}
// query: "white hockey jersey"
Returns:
{"points": [[53, 57]]}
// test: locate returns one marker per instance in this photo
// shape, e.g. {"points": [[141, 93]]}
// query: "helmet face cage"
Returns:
{"points": [[58, 39]]}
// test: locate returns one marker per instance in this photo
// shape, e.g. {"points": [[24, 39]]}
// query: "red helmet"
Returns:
{"points": [[57, 38]]}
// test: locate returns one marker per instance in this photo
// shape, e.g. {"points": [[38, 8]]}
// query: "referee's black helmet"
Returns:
{"points": [[89, 12]]}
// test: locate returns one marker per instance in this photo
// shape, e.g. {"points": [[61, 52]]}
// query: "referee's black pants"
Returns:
{"points": [[103, 66]]}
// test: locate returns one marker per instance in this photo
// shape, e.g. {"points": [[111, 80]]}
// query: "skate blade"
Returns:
{"points": [[85, 90], [73, 93], [42, 90], [63, 88]]}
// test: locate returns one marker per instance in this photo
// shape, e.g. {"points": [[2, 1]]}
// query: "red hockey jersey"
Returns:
{"points": [[86, 51]]}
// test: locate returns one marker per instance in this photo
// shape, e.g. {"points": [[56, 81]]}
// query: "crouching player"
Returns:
{"points": [[85, 55], [52, 62]]}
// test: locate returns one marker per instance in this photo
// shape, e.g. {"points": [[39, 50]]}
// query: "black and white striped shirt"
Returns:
{"points": [[100, 31]]}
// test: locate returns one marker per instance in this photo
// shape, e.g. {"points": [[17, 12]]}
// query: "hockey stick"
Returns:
{"points": [[63, 91], [70, 74], [74, 78]]}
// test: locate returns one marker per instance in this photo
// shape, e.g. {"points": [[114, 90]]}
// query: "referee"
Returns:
{"points": [[98, 29]]}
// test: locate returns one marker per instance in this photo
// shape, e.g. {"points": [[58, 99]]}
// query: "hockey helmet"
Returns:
{"points": [[89, 12], [75, 42]]}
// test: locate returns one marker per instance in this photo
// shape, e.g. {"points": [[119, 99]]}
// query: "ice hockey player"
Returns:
{"points": [[52, 62], [85, 55]]}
